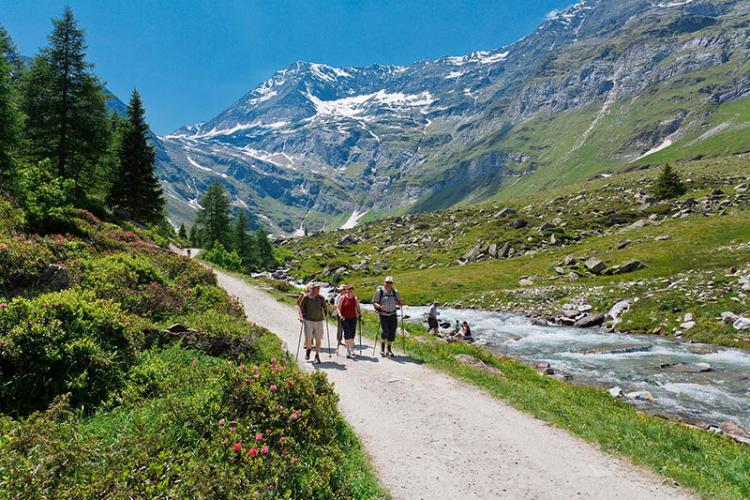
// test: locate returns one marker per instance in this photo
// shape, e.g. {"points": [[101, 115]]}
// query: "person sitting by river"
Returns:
{"points": [[463, 334]]}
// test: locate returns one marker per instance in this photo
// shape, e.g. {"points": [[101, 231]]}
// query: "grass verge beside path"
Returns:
{"points": [[713, 466]]}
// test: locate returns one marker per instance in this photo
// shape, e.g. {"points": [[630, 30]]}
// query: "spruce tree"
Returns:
{"points": [[265, 249], [65, 107], [668, 184], [195, 236], [10, 51], [245, 242], [213, 218], [136, 192], [182, 232], [10, 117]]}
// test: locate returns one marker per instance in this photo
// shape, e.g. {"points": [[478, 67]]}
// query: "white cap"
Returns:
{"points": [[389, 279]]}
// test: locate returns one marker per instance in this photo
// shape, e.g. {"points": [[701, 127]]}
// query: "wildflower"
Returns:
{"points": [[247, 380], [221, 421], [273, 360], [280, 408], [195, 362], [282, 440], [259, 436], [264, 450], [252, 452], [274, 388], [256, 376], [57, 305], [4, 246], [237, 447], [255, 368], [269, 431], [295, 415], [3, 305], [242, 368]]}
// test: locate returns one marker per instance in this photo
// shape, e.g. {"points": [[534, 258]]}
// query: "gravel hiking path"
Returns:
{"points": [[431, 436]]}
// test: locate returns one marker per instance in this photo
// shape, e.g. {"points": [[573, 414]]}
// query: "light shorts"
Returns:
{"points": [[314, 329]]}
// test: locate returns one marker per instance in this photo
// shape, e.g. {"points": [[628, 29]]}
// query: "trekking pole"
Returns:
{"points": [[360, 333], [375, 342], [328, 335], [338, 342], [403, 331], [299, 342]]}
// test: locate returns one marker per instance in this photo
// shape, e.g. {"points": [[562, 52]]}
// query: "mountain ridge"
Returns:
{"points": [[314, 144]]}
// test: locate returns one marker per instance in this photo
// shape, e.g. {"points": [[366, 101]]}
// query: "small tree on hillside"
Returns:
{"points": [[182, 233], [668, 184], [265, 249], [213, 218], [195, 236], [245, 242], [136, 191]]}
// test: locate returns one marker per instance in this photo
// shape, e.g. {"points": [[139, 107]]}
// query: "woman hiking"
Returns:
{"points": [[349, 311], [387, 302], [313, 313]]}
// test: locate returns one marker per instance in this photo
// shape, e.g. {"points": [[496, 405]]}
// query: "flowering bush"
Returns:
{"points": [[58, 343]]}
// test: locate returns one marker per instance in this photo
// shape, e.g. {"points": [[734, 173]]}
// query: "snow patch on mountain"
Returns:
{"points": [[357, 106]]}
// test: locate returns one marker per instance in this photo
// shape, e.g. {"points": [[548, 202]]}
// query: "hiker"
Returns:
{"points": [[349, 311], [386, 302], [432, 319], [302, 294], [313, 313], [188, 253], [339, 323]]}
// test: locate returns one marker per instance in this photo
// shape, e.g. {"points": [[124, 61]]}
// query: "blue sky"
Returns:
{"points": [[190, 59]]}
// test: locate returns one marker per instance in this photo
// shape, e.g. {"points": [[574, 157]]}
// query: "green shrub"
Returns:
{"points": [[11, 218], [21, 261], [187, 426], [221, 257], [66, 342], [668, 184], [44, 198]]}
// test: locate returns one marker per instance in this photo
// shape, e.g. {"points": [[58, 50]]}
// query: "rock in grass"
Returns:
{"points": [[619, 309], [469, 360], [630, 267], [590, 320], [729, 317], [506, 251], [640, 396], [177, 328], [525, 282], [595, 266], [519, 223], [741, 323]]}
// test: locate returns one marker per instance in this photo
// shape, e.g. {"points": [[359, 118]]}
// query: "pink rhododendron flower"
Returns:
{"points": [[252, 452], [221, 421], [195, 362], [3, 306], [282, 440], [295, 415], [256, 376], [4, 246], [273, 361], [259, 436], [274, 388], [242, 368], [264, 450], [237, 447]]}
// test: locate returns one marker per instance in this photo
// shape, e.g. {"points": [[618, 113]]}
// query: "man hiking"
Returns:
{"points": [[313, 313], [432, 319], [349, 311], [387, 302]]}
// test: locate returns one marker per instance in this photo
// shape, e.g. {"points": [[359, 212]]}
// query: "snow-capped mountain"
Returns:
{"points": [[315, 145]]}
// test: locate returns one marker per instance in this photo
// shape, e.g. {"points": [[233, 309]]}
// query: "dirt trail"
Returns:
{"points": [[433, 437]]}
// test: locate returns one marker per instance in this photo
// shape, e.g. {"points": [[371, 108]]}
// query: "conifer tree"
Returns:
{"points": [[65, 107], [245, 242], [668, 184], [213, 218], [182, 232], [265, 249], [195, 236], [136, 192], [10, 117]]}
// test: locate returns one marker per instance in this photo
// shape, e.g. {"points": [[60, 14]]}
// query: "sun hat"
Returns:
{"points": [[389, 279]]}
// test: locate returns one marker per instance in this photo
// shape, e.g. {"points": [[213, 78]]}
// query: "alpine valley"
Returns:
{"points": [[602, 87]]}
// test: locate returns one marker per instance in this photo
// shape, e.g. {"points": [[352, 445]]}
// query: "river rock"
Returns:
{"points": [[619, 309], [640, 396], [616, 392], [688, 325], [692, 367], [618, 349], [736, 432], [741, 323], [591, 319], [595, 266], [729, 317]]}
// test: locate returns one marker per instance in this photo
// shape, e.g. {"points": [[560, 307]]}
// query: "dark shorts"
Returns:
{"points": [[432, 322], [388, 325], [349, 326]]}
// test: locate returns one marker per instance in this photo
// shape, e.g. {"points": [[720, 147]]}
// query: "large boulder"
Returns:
{"points": [[54, 277], [505, 212], [518, 223], [595, 266], [591, 319], [506, 251], [630, 267]]}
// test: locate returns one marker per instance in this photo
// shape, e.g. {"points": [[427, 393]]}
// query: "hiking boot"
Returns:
{"points": [[317, 359], [307, 354], [390, 353], [348, 354], [382, 353]]}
